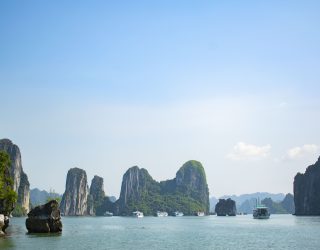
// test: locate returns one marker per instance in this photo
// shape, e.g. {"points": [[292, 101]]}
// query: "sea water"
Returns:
{"points": [[209, 232]]}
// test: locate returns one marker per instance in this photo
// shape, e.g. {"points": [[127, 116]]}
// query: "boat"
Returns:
{"points": [[178, 214], [137, 214], [162, 214], [261, 211], [108, 214], [200, 213]]}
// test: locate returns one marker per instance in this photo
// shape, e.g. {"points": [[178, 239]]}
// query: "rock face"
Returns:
{"points": [[226, 207], [188, 192], [1, 224], [135, 183], [97, 194], [4, 223], [307, 191], [75, 197], [20, 179], [6, 187], [44, 219], [288, 203]]}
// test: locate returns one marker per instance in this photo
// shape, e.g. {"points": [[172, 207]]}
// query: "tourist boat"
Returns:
{"points": [[108, 214], [200, 213], [137, 214], [162, 214], [178, 214], [261, 211]]}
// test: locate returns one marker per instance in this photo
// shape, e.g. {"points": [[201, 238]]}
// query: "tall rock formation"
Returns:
{"points": [[136, 185], [20, 179], [226, 207], [191, 181], [96, 194], [307, 191], [97, 189], [288, 203], [187, 192], [75, 198], [6, 188]]}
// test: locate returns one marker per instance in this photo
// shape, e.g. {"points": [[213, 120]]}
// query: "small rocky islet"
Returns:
{"points": [[45, 218], [187, 192], [226, 207]]}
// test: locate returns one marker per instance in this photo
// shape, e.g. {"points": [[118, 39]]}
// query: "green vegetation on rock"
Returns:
{"points": [[19, 211], [8, 196], [187, 192]]}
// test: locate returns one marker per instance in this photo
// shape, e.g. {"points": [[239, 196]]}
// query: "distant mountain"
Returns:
{"points": [[112, 198], [246, 202], [247, 206], [288, 203], [38, 197], [261, 195], [284, 207], [213, 202]]}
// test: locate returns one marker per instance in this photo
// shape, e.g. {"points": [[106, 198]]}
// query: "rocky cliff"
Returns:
{"points": [[7, 194], [288, 203], [75, 198], [187, 192], [20, 180], [191, 181], [307, 191], [97, 194], [226, 207]]}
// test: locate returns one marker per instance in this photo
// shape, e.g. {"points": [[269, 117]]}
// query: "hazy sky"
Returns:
{"points": [[106, 85]]}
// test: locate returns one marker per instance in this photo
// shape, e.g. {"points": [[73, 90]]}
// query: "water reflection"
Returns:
{"points": [[34, 235], [6, 243], [307, 220]]}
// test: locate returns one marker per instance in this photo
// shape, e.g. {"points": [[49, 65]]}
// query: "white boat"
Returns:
{"points": [[162, 214], [178, 214], [108, 214], [200, 213], [261, 212], [137, 214]]}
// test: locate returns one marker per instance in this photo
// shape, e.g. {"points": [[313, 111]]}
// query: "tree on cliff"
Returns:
{"points": [[8, 196]]}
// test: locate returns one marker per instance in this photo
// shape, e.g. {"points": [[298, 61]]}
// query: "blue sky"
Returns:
{"points": [[105, 85]]}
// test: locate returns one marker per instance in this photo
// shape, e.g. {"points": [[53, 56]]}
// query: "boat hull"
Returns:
{"points": [[261, 217]]}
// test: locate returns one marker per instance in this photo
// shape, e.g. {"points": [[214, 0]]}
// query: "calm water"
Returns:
{"points": [[211, 232]]}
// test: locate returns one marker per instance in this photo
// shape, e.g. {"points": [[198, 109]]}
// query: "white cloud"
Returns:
{"points": [[301, 152], [243, 151]]}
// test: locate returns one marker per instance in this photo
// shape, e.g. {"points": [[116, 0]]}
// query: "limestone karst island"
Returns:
{"points": [[187, 194]]}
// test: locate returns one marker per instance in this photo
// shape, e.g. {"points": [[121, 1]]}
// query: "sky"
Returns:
{"points": [[107, 85]]}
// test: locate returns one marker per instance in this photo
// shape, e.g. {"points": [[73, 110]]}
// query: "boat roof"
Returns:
{"points": [[261, 207]]}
